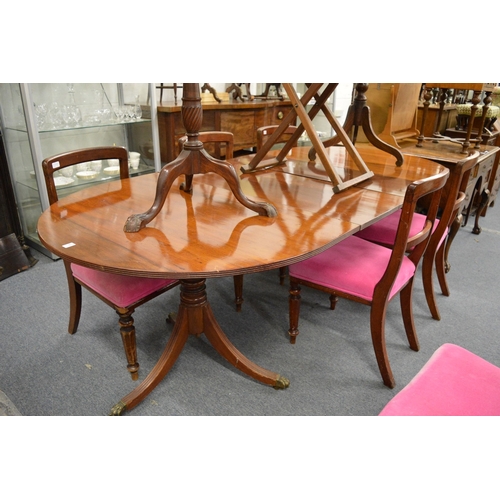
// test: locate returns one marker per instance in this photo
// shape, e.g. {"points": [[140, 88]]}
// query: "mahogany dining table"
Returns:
{"points": [[207, 233]]}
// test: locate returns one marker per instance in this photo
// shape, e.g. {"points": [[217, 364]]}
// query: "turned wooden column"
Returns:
{"points": [[426, 104], [193, 159]]}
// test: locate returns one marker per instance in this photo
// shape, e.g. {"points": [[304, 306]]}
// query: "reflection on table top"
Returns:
{"points": [[209, 233]]}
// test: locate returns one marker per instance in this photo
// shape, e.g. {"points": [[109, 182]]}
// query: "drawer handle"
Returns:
{"points": [[280, 115]]}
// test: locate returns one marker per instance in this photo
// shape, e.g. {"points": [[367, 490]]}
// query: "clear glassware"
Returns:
{"points": [[40, 115], [119, 113], [103, 113], [137, 108], [128, 113], [54, 116], [71, 113]]}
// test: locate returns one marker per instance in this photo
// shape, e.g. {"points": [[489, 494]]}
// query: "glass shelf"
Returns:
{"points": [[81, 127], [76, 183], [39, 121]]}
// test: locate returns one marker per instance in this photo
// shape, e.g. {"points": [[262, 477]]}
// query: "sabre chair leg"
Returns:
{"points": [[377, 328], [428, 282], [454, 228], [441, 270], [294, 310], [75, 300], [405, 297], [75, 306]]}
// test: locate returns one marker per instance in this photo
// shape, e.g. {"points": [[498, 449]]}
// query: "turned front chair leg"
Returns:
{"points": [[294, 311], [127, 331]]}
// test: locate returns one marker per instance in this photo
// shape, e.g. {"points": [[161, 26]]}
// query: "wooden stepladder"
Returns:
{"points": [[306, 118]]}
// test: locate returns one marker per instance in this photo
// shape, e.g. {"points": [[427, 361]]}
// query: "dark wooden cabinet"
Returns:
{"points": [[9, 218], [241, 118], [15, 255]]}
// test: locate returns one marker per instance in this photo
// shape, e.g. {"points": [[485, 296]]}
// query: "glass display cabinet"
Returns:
{"points": [[42, 119]]}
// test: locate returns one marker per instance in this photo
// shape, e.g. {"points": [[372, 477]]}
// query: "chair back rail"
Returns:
{"points": [[57, 162], [416, 245], [216, 137]]}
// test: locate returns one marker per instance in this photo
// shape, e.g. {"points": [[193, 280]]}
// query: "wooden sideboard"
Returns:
{"points": [[241, 118]]}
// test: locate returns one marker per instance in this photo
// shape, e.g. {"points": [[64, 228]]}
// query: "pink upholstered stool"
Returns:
{"points": [[453, 382]]}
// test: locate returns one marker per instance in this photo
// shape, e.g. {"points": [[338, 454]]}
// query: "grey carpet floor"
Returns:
{"points": [[44, 371]]}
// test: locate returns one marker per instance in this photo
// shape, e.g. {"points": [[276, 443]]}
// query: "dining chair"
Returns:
{"points": [[123, 293], [371, 274], [218, 139], [435, 256], [453, 382]]}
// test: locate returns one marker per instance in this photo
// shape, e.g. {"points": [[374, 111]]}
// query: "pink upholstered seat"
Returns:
{"points": [[384, 231], [118, 289], [372, 274], [122, 293], [353, 266], [453, 382]]}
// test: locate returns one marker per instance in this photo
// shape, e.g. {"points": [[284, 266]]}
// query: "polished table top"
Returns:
{"points": [[209, 234]]}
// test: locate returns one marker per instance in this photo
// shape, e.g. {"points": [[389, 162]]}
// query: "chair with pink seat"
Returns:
{"points": [[454, 381], [365, 272], [383, 232], [123, 293]]}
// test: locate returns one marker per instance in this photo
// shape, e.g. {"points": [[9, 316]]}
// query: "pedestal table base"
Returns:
{"points": [[195, 317]]}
